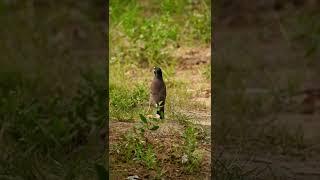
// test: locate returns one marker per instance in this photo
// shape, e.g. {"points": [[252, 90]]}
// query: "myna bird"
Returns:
{"points": [[158, 91]]}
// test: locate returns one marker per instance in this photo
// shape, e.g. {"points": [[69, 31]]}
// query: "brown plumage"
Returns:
{"points": [[158, 91]]}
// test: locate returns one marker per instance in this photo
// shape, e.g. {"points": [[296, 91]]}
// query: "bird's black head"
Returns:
{"points": [[157, 72]]}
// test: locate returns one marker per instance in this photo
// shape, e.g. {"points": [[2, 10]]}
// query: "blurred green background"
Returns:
{"points": [[52, 88]]}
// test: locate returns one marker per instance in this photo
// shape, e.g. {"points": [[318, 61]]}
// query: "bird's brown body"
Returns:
{"points": [[158, 92]]}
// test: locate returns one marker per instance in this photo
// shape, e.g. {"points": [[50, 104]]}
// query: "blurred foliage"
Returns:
{"points": [[308, 32], [52, 89], [55, 127]]}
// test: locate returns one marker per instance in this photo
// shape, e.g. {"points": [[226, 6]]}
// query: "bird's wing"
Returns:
{"points": [[162, 93], [155, 89]]}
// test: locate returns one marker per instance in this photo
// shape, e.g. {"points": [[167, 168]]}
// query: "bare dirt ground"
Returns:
{"points": [[190, 62], [170, 135]]}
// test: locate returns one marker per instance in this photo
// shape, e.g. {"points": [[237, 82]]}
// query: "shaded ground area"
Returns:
{"points": [[267, 105]]}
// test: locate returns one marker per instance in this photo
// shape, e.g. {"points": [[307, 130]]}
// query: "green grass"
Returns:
{"points": [[206, 72], [149, 39], [194, 158], [144, 34], [125, 102], [140, 39]]}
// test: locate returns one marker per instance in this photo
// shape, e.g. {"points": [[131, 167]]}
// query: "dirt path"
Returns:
{"points": [[191, 60]]}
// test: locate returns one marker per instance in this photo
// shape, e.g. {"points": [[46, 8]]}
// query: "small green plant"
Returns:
{"points": [[147, 124], [150, 158], [190, 139], [136, 146], [191, 158], [206, 72]]}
